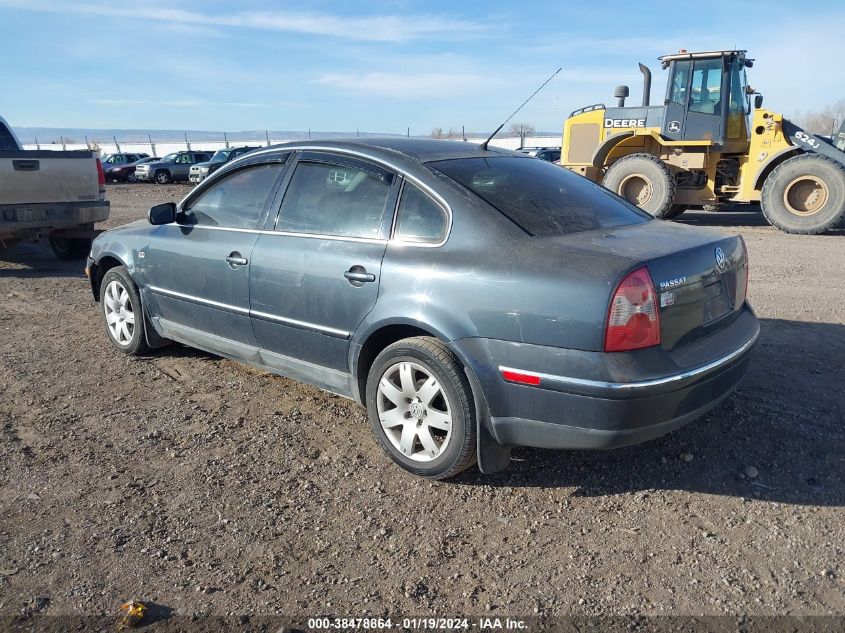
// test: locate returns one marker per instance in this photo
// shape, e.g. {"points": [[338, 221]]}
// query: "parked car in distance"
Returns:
{"points": [[175, 167], [53, 195], [550, 154], [126, 172], [113, 160], [472, 300], [201, 171]]}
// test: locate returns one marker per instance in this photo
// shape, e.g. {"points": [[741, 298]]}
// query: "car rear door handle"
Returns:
{"points": [[26, 165], [235, 259], [358, 275]]}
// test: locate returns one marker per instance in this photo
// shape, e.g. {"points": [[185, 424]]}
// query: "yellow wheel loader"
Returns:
{"points": [[707, 146]]}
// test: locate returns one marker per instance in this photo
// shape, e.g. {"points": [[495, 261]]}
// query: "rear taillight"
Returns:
{"points": [[101, 175], [632, 320]]}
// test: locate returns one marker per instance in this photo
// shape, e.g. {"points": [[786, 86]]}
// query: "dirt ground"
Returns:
{"points": [[211, 488]]}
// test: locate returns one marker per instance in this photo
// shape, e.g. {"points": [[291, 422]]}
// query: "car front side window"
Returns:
{"points": [[338, 200], [419, 218], [235, 201]]}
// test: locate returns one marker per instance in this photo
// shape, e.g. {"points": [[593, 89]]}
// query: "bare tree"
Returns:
{"points": [[437, 132], [825, 120], [521, 130]]}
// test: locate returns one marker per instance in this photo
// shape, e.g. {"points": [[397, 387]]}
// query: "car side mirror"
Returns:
{"points": [[164, 213], [758, 102]]}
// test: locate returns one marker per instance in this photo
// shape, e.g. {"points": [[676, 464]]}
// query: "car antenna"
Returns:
{"points": [[483, 146]]}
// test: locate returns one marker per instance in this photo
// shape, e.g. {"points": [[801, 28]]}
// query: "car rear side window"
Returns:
{"points": [[541, 198], [419, 218], [328, 199], [7, 140], [235, 201]]}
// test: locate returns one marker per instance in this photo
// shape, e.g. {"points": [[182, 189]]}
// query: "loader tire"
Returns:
{"points": [[675, 211], [805, 195], [643, 180]]}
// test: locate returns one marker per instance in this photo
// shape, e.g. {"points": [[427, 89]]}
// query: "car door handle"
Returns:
{"points": [[236, 259], [359, 274]]}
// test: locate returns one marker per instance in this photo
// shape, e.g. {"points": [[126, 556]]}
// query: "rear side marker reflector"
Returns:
{"points": [[515, 376]]}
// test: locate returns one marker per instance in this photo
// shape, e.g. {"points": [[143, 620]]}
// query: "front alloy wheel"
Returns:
{"points": [[421, 407], [119, 313], [122, 313]]}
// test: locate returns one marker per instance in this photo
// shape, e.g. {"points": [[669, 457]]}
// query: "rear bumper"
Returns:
{"points": [[583, 405], [48, 216], [144, 176]]}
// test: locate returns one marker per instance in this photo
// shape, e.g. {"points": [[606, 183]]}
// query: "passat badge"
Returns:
{"points": [[721, 260]]}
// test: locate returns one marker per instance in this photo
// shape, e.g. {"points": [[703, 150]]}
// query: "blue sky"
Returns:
{"points": [[383, 66]]}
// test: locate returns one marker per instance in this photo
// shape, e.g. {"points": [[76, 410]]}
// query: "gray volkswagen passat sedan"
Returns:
{"points": [[471, 299]]}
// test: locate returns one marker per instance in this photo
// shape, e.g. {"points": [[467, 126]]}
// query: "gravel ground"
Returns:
{"points": [[212, 488]]}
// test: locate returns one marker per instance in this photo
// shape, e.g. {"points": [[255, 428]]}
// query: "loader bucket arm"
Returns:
{"points": [[811, 143]]}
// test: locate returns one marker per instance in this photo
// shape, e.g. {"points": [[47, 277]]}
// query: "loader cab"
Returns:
{"points": [[707, 98]]}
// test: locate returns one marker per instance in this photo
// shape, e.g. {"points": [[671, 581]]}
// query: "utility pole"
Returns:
{"points": [[152, 145], [464, 133], [409, 132], [226, 140], [116, 144], [187, 142], [267, 136], [37, 146], [62, 138]]}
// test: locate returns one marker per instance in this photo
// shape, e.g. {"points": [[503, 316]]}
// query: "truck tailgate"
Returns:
{"points": [[39, 176]]}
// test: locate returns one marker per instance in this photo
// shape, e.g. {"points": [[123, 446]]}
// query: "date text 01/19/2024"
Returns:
{"points": [[418, 624]]}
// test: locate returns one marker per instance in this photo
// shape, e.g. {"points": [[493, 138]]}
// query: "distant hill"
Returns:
{"points": [[48, 135]]}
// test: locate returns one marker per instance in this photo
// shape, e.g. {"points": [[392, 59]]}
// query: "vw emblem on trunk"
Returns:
{"points": [[721, 260]]}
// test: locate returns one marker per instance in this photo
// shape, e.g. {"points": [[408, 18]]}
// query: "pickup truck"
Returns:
{"points": [[172, 168], [57, 195]]}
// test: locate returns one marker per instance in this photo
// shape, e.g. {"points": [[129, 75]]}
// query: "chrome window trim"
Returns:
{"points": [[642, 384], [316, 236], [252, 313], [401, 242], [340, 150]]}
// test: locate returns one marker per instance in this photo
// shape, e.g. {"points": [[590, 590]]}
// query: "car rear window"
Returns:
{"points": [[7, 141], [541, 198]]}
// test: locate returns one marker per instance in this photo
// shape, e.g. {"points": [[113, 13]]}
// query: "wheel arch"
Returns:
{"points": [[105, 262], [377, 338], [774, 161], [601, 152]]}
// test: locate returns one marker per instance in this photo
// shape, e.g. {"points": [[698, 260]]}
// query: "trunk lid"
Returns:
{"points": [[700, 275]]}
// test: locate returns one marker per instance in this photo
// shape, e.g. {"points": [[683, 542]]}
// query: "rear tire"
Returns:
{"points": [[69, 249], [643, 180], [805, 195], [421, 408], [163, 177], [122, 312]]}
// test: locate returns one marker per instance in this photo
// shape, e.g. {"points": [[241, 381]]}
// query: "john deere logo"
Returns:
{"points": [[674, 126]]}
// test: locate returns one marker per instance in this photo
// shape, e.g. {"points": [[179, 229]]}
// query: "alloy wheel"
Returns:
{"points": [[120, 316], [414, 411]]}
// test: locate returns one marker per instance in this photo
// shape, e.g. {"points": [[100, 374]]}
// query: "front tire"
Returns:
{"points": [[123, 315], [69, 249], [805, 195], [643, 180], [421, 408], [163, 177]]}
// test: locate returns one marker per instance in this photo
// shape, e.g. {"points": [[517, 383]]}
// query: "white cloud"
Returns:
{"points": [[406, 86], [380, 28]]}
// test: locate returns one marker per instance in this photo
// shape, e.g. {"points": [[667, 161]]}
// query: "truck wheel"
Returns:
{"points": [[123, 316], [70, 248], [421, 408], [162, 177], [805, 194], [643, 180]]}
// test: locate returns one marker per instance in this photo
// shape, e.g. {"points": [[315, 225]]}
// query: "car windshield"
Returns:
{"points": [[539, 197], [221, 157]]}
